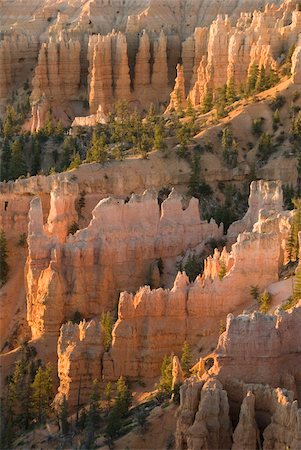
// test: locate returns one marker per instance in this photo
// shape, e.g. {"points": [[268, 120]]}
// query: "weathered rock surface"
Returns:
{"points": [[261, 348], [204, 416], [115, 252], [133, 49], [80, 350], [141, 336]]}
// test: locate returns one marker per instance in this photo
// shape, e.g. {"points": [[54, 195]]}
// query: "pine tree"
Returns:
{"points": [[5, 162], [107, 324], [63, 416], [186, 359], [75, 161], [165, 383], [21, 393], [69, 148], [252, 79], [264, 302], [261, 83], [297, 285], [108, 394], [4, 267], [98, 149], [18, 164], [42, 393], [93, 415], [207, 101], [223, 270], [49, 128], [159, 143], [36, 157], [230, 92], [124, 397]]}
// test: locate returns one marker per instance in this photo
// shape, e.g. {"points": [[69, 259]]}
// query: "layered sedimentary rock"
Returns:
{"points": [[117, 251], [141, 336], [264, 195], [80, 349], [261, 348], [109, 72], [208, 408], [56, 81], [145, 33], [17, 59], [262, 38]]}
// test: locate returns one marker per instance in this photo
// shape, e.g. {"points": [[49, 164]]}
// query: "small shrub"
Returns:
{"points": [[278, 102], [257, 126]]}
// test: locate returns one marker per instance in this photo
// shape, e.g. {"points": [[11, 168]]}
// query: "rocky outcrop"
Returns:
{"points": [[115, 252], [203, 417], [264, 195], [246, 434], [208, 408], [261, 348], [80, 350], [230, 50], [192, 310], [56, 81], [18, 54], [109, 72]]}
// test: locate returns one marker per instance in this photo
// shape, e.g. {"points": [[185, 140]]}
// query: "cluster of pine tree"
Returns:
{"points": [[27, 396]]}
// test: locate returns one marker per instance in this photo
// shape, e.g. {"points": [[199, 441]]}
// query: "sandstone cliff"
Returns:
{"points": [[117, 250], [192, 310]]}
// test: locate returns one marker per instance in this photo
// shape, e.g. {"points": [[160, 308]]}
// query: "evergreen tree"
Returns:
{"points": [[186, 359], [223, 270], [276, 119], [5, 162], [114, 425], [69, 148], [98, 149], [42, 393], [93, 415], [21, 393], [75, 161], [261, 83], [252, 79], [107, 323], [36, 157], [297, 285], [63, 416], [18, 164], [264, 302], [230, 92], [190, 109], [159, 143], [108, 394], [207, 101], [124, 397], [4, 267], [49, 128], [165, 384]]}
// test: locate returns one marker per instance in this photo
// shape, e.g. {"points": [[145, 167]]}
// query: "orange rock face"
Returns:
{"points": [[262, 349], [117, 251], [80, 349]]}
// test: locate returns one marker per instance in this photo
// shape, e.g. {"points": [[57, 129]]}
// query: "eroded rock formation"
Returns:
{"points": [[80, 350], [115, 252], [192, 309], [208, 408]]}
